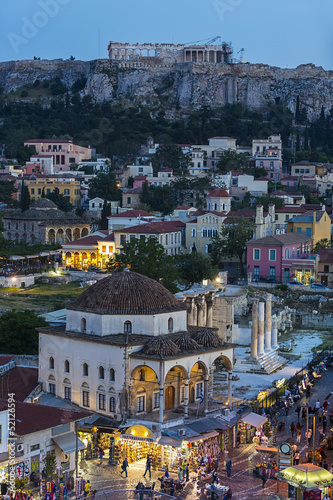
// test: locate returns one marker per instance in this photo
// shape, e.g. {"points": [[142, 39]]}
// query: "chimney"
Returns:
{"points": [[259, 214], [271, 211], [314, 218]]}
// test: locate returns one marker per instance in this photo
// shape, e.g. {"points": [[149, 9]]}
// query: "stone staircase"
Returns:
{"points": [[266, 364]]}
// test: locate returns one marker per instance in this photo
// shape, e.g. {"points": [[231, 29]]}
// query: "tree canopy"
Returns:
{"points": [[159, 198], [193, 268], [25, 198], [62, 201], [7, 189], [231, 241], [171, 156], [18, 333], [146, 257], [230, 160], [104, 186]]}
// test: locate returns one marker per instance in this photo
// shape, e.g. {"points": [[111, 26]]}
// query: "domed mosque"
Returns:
{"points": [[127, 352]]}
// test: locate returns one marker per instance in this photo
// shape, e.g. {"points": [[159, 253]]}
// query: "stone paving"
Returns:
{"points": [[242, 482]]}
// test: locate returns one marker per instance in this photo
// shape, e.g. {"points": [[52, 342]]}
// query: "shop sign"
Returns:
{"points": [[138, 438]]}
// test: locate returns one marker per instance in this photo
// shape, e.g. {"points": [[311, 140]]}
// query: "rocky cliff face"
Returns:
{"points": [[184, 85]]}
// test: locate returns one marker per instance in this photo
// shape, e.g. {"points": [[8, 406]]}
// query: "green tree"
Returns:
{"points": [[104, 186], [159, 198], [25, 198], [7, 189], [146, 257], [323, 243], [106, 211], [18, 334], [62, 201], [50, 465], [171, 156], [232, 240], [268, 199], [193, 268], [230, 160]]}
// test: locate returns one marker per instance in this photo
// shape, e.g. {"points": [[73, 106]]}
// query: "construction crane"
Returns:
{"points": [[208, 41], [241, 52]]}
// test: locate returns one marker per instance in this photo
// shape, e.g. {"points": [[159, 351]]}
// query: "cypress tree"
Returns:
{"points": [[25, 198]]}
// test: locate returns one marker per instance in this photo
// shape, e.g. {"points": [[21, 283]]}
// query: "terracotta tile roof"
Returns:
{"points": [[126, 293], [110, 237], [295, 210], [326, 254], [155, 227], [67, 141], [198, 213], [308, 216], [4, 359], [21, 380], [166, 170], [218, 193], [32, 417], [131, 213], [281, 239], [91, 240]]}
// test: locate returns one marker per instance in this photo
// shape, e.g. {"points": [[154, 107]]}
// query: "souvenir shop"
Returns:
{"points": [[94, 439], [253, 428], [135, 443]]}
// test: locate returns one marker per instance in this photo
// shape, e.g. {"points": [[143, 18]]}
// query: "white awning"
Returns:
{"points": [[67, 442], [254, 419]]}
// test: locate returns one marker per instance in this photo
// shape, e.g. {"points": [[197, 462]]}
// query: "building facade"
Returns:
{"points": [[267, 154], [315, 224], [63, 151]]}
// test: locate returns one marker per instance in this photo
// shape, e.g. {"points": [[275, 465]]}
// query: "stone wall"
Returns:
{"points": [[188, 85]]}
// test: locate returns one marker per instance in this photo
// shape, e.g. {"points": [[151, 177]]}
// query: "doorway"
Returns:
{"points": [[170, 398]]}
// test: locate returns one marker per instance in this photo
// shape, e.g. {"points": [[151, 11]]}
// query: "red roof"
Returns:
{"points": [[155, 227], [131, 213], [30, 417], [4, 359], [166, 170], [218, 193], [326, 254], [90, 240], [291, 209], [110, 237], [41, 156], [198, 213], [21, 380], [50, 140]]}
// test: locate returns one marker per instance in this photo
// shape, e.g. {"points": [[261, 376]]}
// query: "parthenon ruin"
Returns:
{"points": [[170, 52]]}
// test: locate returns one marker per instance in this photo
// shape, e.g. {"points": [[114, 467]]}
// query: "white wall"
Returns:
{"points": [[105, 324]]}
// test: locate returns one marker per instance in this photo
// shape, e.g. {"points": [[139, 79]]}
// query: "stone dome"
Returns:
{"points": [[161, 346], [43, 203], [186, 343], [206, 337], [127, 293]]}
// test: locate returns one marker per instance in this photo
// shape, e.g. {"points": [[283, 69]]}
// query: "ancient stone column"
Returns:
{"points": [[200, 304], [261, 329], [274, 332], [206, 394], [230, 390], [268, 324], [254, 330], [209, 302]]}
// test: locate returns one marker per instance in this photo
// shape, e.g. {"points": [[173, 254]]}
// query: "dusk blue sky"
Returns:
{"points": [[282, 33]]}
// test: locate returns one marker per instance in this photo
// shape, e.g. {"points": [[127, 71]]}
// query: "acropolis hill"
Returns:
{"points": [[161, 83]]}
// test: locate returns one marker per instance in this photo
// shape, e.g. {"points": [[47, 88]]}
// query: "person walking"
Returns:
{"points": [[309, 456], [317, 405], [183, 469], [299, 435], [101, 454], [292, 429], [308, 435], [324, 423], [124, 467], [297, 457], [263, 478], [298, 410], [228, 466], [187, 472], [87, 487], [148, 467]]}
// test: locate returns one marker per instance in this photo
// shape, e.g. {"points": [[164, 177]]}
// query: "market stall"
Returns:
{"points": [[306, 481], [252, 427]]}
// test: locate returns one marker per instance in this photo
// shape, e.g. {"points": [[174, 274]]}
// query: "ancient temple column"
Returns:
{"points": [[206, 394], [209, 302], [161, 408], [186, 398], [274, 332], [261, 328], [200, 304], [268, 324], [230, 390], [254, 330]]}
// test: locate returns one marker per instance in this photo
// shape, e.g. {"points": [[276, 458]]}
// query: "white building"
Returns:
{"points": [[128, 352], [128, 218]]}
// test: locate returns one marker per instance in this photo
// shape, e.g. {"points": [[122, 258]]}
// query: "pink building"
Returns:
{"points": [[64, 152], [282, 257]]}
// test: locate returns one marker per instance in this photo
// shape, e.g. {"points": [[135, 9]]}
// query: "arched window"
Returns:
{"points": [[66, 367], [51, 363], [85, 394], [170, 325], [83, 325], [127, 327], [193, 233], [141, 400], [52, 385], [101, 398], [142, 375], [101, 372], [85, 370], [112, 405], [67, 389], [112, 375]]}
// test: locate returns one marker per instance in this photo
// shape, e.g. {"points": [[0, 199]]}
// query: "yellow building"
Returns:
{"points": [[68, 187], [316, 224], [90, 252]]}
